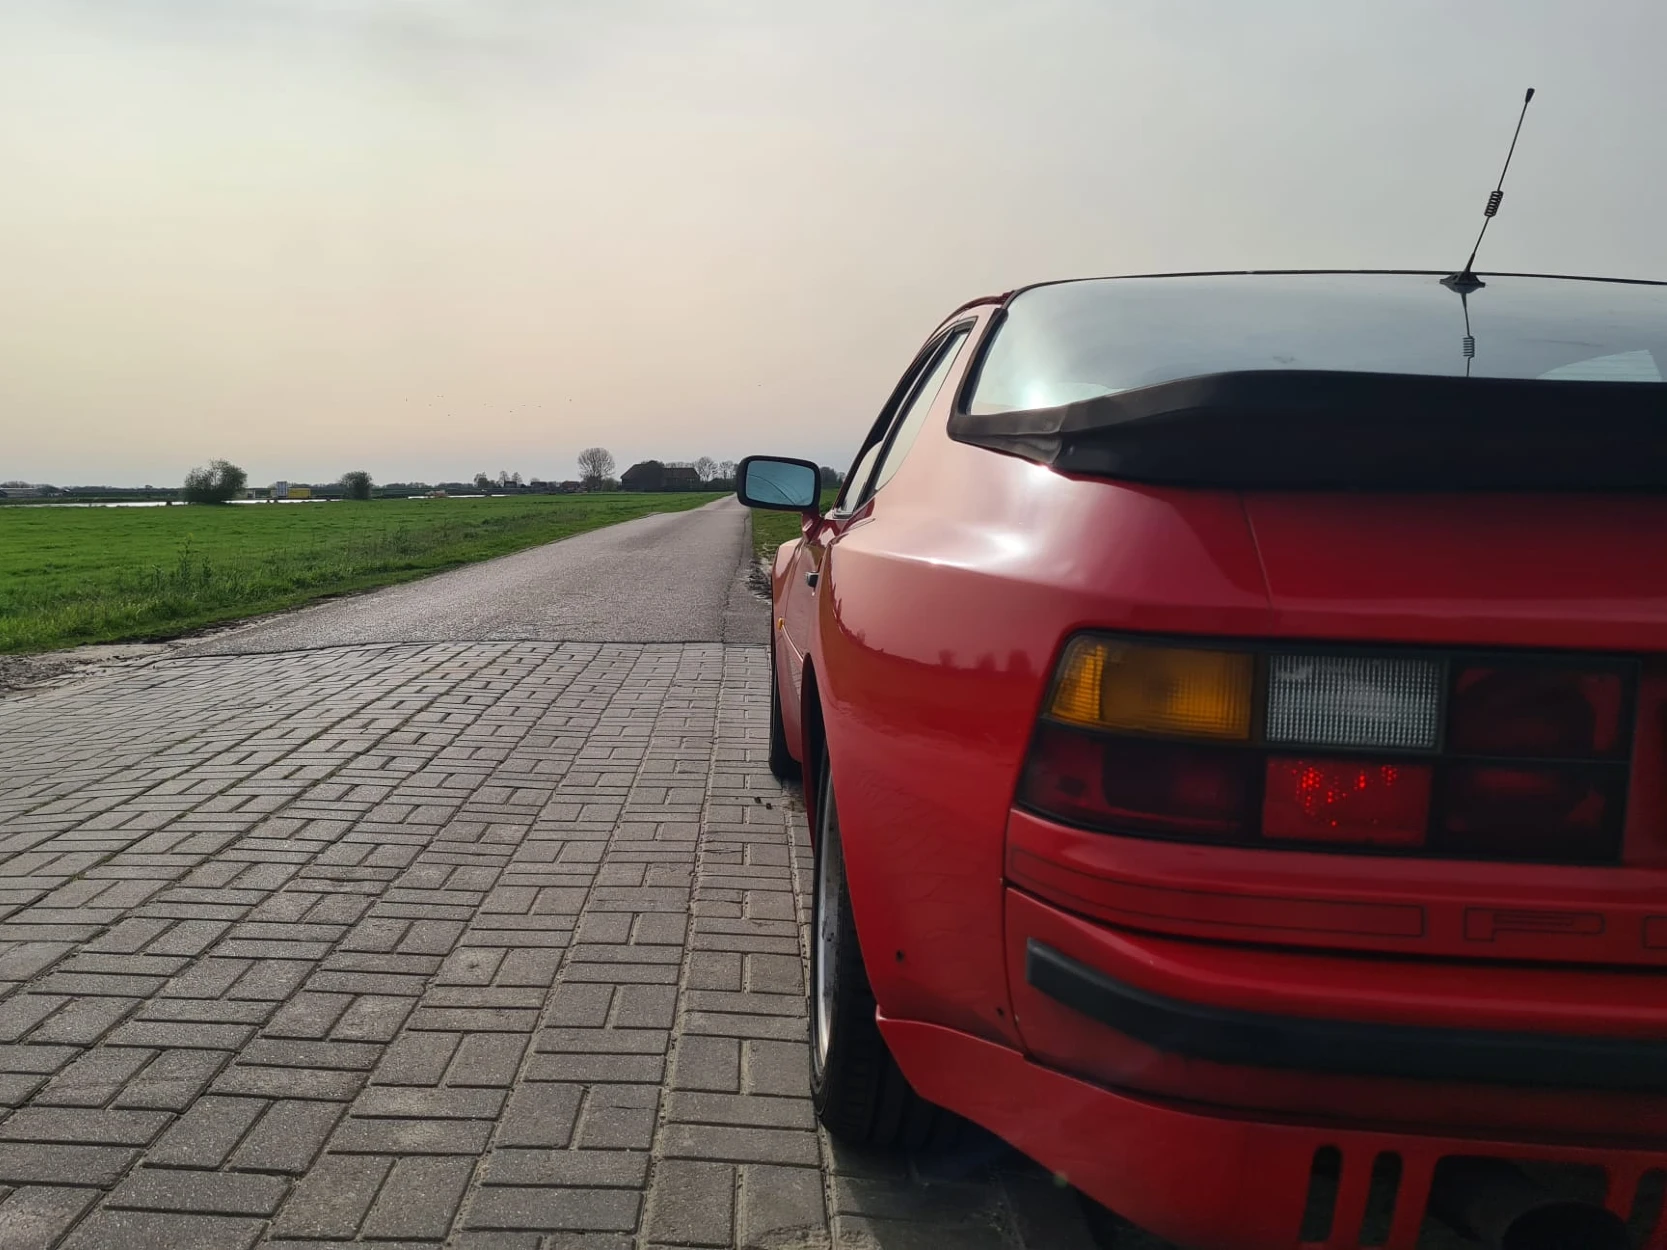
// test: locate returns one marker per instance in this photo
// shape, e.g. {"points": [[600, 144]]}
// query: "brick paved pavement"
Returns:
{"points": [[489, 945]]}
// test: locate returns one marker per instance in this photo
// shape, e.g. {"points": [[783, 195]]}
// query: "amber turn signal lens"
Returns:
{"points": [[1158, 690]]}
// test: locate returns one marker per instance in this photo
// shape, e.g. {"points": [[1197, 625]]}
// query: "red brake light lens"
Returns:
{"points": [[1536, 712], [1347, 802], [1134, 786], [1557, 813]]}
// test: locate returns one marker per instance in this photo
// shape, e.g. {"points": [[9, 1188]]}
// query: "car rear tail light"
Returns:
{"points": [[1354, 701], [1510, 812], [1155, 690], [1358, 802], [1546, 713], [1154, 787], [1495, 758]]}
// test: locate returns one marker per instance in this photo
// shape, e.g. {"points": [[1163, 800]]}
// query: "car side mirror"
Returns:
{"points": [[779, 484]]}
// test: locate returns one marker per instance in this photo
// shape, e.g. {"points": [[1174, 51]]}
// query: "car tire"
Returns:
{"points": [[861, 1096], [782, 764]]}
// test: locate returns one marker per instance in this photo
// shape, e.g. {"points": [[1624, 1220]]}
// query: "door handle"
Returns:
{"points": [[811, 578]]}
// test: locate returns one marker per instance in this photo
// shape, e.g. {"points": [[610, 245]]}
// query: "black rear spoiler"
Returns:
{"points": [[1319, 430]]}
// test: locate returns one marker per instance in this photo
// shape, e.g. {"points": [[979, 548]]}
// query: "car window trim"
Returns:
{"points": [[896, 404], [975, 367], [956, 337]]}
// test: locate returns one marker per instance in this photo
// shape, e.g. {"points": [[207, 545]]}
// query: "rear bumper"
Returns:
{"points": [[1259, 1039], [1208, 1181]]}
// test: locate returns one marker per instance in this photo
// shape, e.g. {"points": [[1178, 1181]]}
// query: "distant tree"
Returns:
{"points": [[219, 482], [726, 470], [596, 466], [831, 477], [707, 468], [356, 484], [515, 479], [483, 483]]}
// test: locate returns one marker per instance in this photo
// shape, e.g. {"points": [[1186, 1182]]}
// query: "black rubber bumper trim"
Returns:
{"points": [[1253, 1039]]}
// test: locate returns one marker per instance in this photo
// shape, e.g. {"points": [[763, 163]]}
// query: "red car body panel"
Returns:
{"points": [[1205, 1180], [921, 656]]}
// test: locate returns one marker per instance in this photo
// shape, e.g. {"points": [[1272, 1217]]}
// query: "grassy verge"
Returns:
{"points": [[80, 575], [771, 529]]}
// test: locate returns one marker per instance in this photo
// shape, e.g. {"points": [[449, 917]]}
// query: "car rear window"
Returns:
{"points": [[1073, 341]]}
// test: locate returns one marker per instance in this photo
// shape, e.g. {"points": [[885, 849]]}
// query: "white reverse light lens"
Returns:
{"points": [[1354, 701]]}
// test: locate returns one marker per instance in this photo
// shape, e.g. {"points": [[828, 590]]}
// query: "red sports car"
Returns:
{"points": [[1233, 714]]}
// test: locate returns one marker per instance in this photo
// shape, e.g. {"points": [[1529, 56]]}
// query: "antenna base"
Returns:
{"points": [[1464, 283]]}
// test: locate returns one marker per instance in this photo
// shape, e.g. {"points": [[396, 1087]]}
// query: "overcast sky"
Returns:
{"points": [[433, 237]]}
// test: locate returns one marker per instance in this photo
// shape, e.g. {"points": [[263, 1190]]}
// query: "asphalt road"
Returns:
{"points": [[675, 577]]}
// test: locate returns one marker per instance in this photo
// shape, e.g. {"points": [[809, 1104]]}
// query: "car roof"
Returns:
{"points": [[1007, 297]]}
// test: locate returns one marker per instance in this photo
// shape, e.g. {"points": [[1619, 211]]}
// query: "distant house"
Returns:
{"points": [[652, 475], [569, 487], [647, 475], [681, 477]]}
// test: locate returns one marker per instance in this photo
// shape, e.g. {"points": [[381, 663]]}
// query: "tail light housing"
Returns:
{"points": [[1472, 756]]}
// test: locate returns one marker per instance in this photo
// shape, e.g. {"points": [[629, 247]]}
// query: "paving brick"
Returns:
{"points": [[210, 1193], [540, 1115], [288, 1137], [740, 1145], [781, 1206], [308, 1015], [286, 1053], [619, 1117], [333, 1197], [432, 1104], [208, 1010], [17, 1088], [715, 970], [22, 1012], [460, 1019], [416, 1059], [274, 979], [162, 1034], [95, 1078], [322, 1084], [741, 1109], [209, 978], [38, 1215], [487, 1059], [420, 1198], [31, 1163], [692, 1204], [711, 1063], [596, 1068], [416, 1137], [147, 1230], [623, 1169], [555, 1210], [528, 967], [188, 937], [205, 1136], [372, 1018], [172, 1080], [82, 1124]]}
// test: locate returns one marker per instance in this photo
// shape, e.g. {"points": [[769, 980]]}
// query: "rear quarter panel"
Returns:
{"points": [[940, 614]]}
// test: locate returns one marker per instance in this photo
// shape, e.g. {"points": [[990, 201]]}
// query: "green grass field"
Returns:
{"points": [[80, 575], [771, 529]]}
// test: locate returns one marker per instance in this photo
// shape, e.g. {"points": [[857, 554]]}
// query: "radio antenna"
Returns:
{"points": [[1465, 280]]}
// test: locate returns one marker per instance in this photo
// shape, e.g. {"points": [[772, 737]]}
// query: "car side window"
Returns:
{"points": [[927, 373], [908, 426]]}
